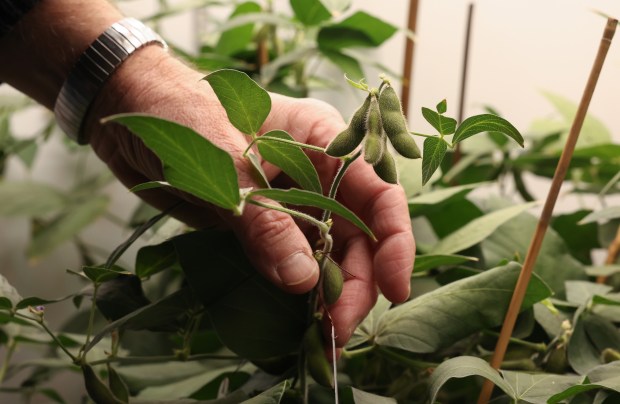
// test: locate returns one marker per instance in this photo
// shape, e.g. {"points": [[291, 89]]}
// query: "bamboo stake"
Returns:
{"points": [[612, 254], [545, 217], [470, 15], [408, 62]]}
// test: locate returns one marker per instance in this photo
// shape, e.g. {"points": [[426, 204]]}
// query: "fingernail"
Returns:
{"points": [[297, 268]]}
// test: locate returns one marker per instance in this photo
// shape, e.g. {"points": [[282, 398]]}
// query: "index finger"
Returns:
{"points": [[384, 208]]}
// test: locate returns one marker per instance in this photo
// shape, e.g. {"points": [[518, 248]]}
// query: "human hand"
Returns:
{"points": [[276, 244]]}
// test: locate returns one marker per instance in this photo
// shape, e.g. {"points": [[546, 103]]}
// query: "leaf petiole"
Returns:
{"points": [[323, 228], [277, 139]]}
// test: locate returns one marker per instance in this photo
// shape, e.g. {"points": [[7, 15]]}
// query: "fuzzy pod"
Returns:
{"points": [[97, 390], [557, 361], [332, 283], [395, 124], [352, 136], [374, 145], [319, 367], [386, 168]]}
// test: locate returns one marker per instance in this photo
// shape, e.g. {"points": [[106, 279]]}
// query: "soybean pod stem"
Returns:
{"points": [[333, 190]]}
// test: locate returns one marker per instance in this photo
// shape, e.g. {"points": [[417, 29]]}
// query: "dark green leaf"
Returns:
{"points": [[160, 315], [259, 174], [99, 274], [37, 301], [237, 39], [272, 395], [464, 366], [191, 162], [349, 65], [580, 239], [442, 106], [362, 397], [246, 103], [604, 214], [424, 263], [444, 125], [238, 299], [359, 30], [448, 314], [513, 239], [120, 296], [117, 385], [310, 12], [537, 388], [97, 390], [156, 258], [67, 225], [291, 159], [29, 199], [420, 203], [582, 354], [367, 330], [486, 123], [478, 230], [580, 292], [434, 151], [5, 303], [307, 198]]}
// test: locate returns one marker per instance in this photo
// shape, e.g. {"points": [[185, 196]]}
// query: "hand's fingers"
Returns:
{"points": [[277, 248], [384, 208], [359, 293]]}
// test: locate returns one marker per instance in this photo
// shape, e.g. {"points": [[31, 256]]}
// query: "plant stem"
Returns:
{"points": [[538, 347], [612, 254], [333, 189], [287, 141], [545, 217], [408, 59], [10, 349], [421, 134], [322, 226], [49, 332], [134, 360], [91, 318], [357, 352], [403, 360]]}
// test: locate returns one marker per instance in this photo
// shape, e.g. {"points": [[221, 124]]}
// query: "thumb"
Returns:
{"points": [[277, 248]]}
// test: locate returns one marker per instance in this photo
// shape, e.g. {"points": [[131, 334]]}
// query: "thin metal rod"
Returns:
{"points": [[464, 68], [408, 62], [545, 217]]}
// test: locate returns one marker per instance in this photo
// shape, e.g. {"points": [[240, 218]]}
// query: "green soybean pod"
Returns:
{"points": [[352, 136], [332, 282], [318, 365], [395, 124], [97, 390], [374, 145], [386, 168]]}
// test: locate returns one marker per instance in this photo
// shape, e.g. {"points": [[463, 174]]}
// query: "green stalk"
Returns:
{"points": [[136, 360], [91, 320], [322, 226], [403, 360], [49, 332], [333, 190], [10, 349]]}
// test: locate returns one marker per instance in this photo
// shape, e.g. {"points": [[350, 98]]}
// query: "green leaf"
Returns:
{"points": [[444, 125], [5, 303], [149, 185], [8, 292], [581, 352], [237, 39], [120, 296], [443, 316], [238, 299], [307, 198], [537, 388], [348, 64], [37, 301], [513, 239], [246, 103], [427, 262], [603, 215], [439, 195], [153, 259], [362, 397], [434, 152], [486, 123], [99, 274], [29, 199], [464, 366], [259, 174], [271, 396], [367, 330], [291, 159], [191, 162], [359, 30], [310, 12], [117, 385], [67, 225], [477, 230], [442, 106], [580, 292]]}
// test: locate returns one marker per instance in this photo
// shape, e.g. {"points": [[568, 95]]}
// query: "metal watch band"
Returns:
{"points": [[11, 11], [94, 67]]}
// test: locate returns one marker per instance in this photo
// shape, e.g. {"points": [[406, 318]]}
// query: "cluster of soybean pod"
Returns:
{"points": [[378, 119]]}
